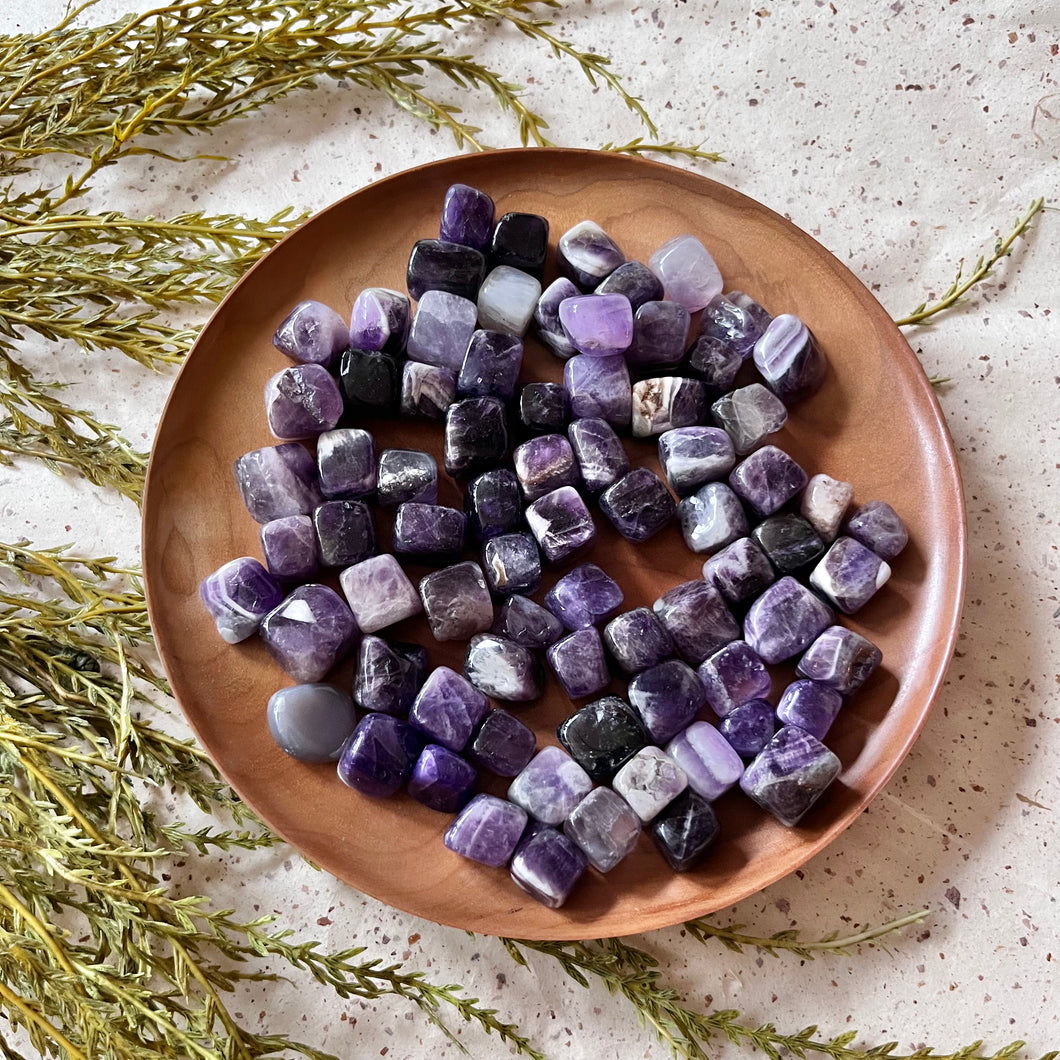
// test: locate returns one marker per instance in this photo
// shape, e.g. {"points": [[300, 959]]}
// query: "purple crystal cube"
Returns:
{"points": [[598, 325], [511, 563], [604, 827], [735, 319], [290, 548], [486, 830], [660, 333], [550, 786], [823, 504], [543, 464], [346, 463], [584, 597], [579, 662], [740, 571], [587, 254], [602, 736], [379, 756], [599, 387], [749, 727], [560, 523], [441, 329], [441, 779], [790, 775], [521, 241], [767, 479], [636, 281], [476, 435], [849, 575], [665, 403], [547, 865], [715, 362], [694, 456], [546, 317], [601, 458], [467, 217], [685, 831], [649, 782], [380, 320], [429, 532], [732, 676], [426, 390], [809, 705], [238, 596], [637, 640], [406, 475], [749, 415], [877, 526], [712, 518], [527, 623], [447, 708], [667, 697], [345, 532], [841, 658], [507, 300], [311, 722], [709, 762], [544, 408], [278, 480], [789, 359], [697, 619], [639, 505], [370, 382], [379, 593], [311, 332], [437, 265], [687, 272], [502, 744], [491, 365], [503, 669], [386, 679], [309, 632], [302, 401], [457, 601], [493, 504], [789, 541], [785, 620]]}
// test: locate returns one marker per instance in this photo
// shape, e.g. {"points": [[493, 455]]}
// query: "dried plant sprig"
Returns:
{"points": [[640, 146]]}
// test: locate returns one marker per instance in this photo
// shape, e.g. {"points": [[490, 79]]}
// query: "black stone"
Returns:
{"points": [[370, 383], [715, 362], [345, 532], [528, 623], [435, 265], [406, 475], [684, 831], [521, 241], [544, 408], [789, 541], [494, 503], [476, 435], [603, 736]]}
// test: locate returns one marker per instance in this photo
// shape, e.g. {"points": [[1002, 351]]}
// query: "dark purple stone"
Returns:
{"points": [[810, 705], [346, 463], [278, 480], [579, 662], [521, 241], [693, 456], [543, 464], [660, 333], [602, 736], [429, 532], [740, 571], [715, 362], [639, 505], [841, 658], [685, 831], [476, 435], [849, 575], [584, 597], [637, 640], [789, 541], [502, 744], [877, 526], [345, 532], [547, 865], [491, 365], [406, 475], [290, 548], [749, 727], [587, 254], [309, 632], [238, 596], [527, 623], [370, 382], [544, 408], [502, 669], [302, 401], [467, 217], [601, 457], [736, 320], [457, 601], [789, 359], [312, 332], [697, 619], [493, 503], [380, 320], [448, 708], [437, 265], [546, 317], [785, 620], [636, 281], [426, 390], [732, 676], [599, 387], [667, 697], [487, 830], [379, 756], [790, 775], [767, 479], [387, 678], [441, 779], [561, 523], [511, 563]]}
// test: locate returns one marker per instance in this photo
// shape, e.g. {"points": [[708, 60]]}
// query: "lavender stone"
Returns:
{"points": [[312, 333], [346, 463], [665, 403], [637, 640], [650, 781], [503, 669], [749, 415], [789, 541], [667, 697], [587, 254], [601, 458], [371, 382], [660, 332], [476, 435], [604, 827], [437, 265], [379, 756], [639, 505], [735, 319], [406, 475], [441, 779], [740, 571], [823, 504], [487, 830], [543, 464], [345, 532], [767, 479], [502, 744], [386, 679], [709, 762], [790, 775], [636, 281], [511, 564], [789, 360], [785, 620], [685, 831], [491, 365], [598, 325], [712, 518], [715, 362], [278, 480], [687, 272], [447, 708], [302, 401], [493, 503], [579, 663], [697, 619], [809, 705], [429, 532], [379, 593], [550, 786], [457, 601], [544, 408], [311, 722], [290, 548], [441, 330], [426, 390], [467, 217], [238, 596], [599, 387], [602, 736], [309, 632], [732, 676], [841, 658], [521, 241], [527, 623], [560, 523], [749, 727], [584, 597], [547, 865], [693, 456], [877, 526], [507, 300], [380, 320], [849, 575], [546, 317]]}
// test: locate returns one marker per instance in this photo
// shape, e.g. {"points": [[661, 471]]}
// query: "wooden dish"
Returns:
{"points": [[875, 423]]}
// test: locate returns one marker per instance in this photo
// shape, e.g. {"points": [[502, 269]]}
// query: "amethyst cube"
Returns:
{"points": [[667, 697], [437, 265], [789, 359], [493, 504], [715, 362], [685, 831], [441, 330], [426, 390], [849, 575], [546, 317], [346, 463], [823, 504], [749, 727], [527, 623], [749, 415], [602, 460], [579, 662], [697, 619], [789, 541], [507, 300], [735, 319], [587, 254], [457, 601], [740, 571], [502, 744], [636, 281], [602, 736], [311, 722], [598, 325], [733, 676], [238, 596], [809, 705], [309, 632], [447, 708], [712, 518], [379, 593], [709, 762], [544, 408], [302, 401], [503, 669], [693, 456], [660, 333], [312, 332], [649, 782], [406, 475], [486, 830], [547, 865], [521, 241], [637, 640], [665, 403], [491, 365], [639, 505], [345, 532], [380, 320], [441, 779], [278, 480], [370, 382], [584, 597], [785, 620], [767, 479], [550, 786], [379, 756], [604, 827], [790, 775], [386, 679], [877, 526], [429, 532], [467, 217], [560, 523], [476, 435], [599, 387], [511, 563], [543, 464], [687, 272], [841, 658], [290, 548]]}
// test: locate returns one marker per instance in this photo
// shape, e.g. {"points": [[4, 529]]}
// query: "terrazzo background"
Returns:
{"points": [[903, 137]]}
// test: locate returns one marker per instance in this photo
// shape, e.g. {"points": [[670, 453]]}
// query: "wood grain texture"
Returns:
{"points": [[875, 423]]}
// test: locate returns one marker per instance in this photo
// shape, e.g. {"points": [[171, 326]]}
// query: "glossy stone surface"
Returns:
{"points": [[547, 865], [289, 546], [437, 265], [715, 362], [543, 464], [636, 281], [503, 669], [429, 532], [587, 254], [379, 756], [735, 319], [598, 325], [371, 383], [387, 677], [840, 658], [476, 435], [790, 775], [544, 408], [823, 504], [346, 463], [467, 217], [650, 781], [809, 705], [660, 334], [511, 563], [749, 727], [599, 387], [687, 272], [560, 523], [732, 676], [785, 620], [313, 333], [749, 416], [740, 571], [849, 575], [696, 617], [457, 601], [667, 696], [709, 761], [666, 402], [380, 320], [441, 329], [878, 526], [693, 456], [550, 786], [441, 779], [345, 532], [309, 632], [584, 597], [426, 390], [579, 663], [302, 401], [637, 640], [406, 475], [311, 722], [602, 736], [278, 480], [448, 708], [712, 518], [379, 593], [527, 623], [685, 831], [639, 505], [486, 830], [789, 359], [502, 744], [602, 460], [493, 503], [491, 365], [789, 541], [767, 479], [604, 827], [521, 241], [546, 317], [238, 595]]}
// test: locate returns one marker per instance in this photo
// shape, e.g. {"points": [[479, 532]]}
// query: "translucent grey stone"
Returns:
{"points": [[693, 456], [749, 415], [311, 722], [507, 300], [502, 669], [605, 827]]}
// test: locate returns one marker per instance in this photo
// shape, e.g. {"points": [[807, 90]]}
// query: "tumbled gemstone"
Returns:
{"points": [[789, 360], [441, 779], [379, 593], [660, 332], [527, 623], [406, 475], [511, 563], [502, 744], [789, 541], [379, 756], [735, 319], [546, 317], [550, 786], [370, 382], [486, 830], [544, 408], [685, 831], [386, 679], [732, 676], [309, 632], [849, 575], [491, 365], [709, 762], [740, 571], [598, 325], [602, 460], [467, 217], [521, 241], [302, 401], [599, 387], [429, 532], [697, 619], [602, 736], [437, 265], [238, 596], [476, 435], [823, 504], [749, 415], [345, 532], [493, 503], [278, 480], [693, 456], [380, 320], [503, 669], [587, 254], [785, 620], [579, 662], [507, 300], [667, 402], [290, 548], [749, 727], [584, 597], [637, 640], [639, 505], [810, 705], [712, 518], [543, 464], [650, 781], [636, 281], [447, 708], [604, 827], [841, 658], [346, 462], [767, 479], [715, 362], [441, 329], [877, 526], [547, 865], [687, 271], [667, 697], [560, 523], [457, 601], [312, 332], [790, 775], [426, 390], [311, 722]]}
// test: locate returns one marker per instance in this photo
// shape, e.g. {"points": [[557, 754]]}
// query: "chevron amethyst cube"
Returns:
{"points": [[810, 705], [486, 830], [667, 697], [442, 780], [238, 596], [493, 503], [636, 281], [693, 456], [379, 756], [476, 435], [789, 360], [709, 762], [370, 382], [437, 265], [278, 480], [503, 669], [379, 593], [547, 865], [697, 619], [602, 736], [749, 415], [649, 782], [767, 479], [660, 334], [602, 460], [735, 319], [604, 827], [740, 571], [561, 523], [448, 708], [467, 217], [849, 575], [790, 542], [579, 663], [502, 744], [457, 601], [639, 505], [841, 658], [441, 329], [543, 464], [346, 463], [712, 518], [584, 597], [687, 272], [289, 546], [732, 676], [685, 831], [345, 532], [546, 317], [380, 320], [749, 727], [667, 402], [587, 254], [823, 504], [429, 532], [511, 563], [598, 325], [790, 775], [309, 632], [406, 475], [302, 401], [426, 390], [312, 333], [715, 362], [491, 365], [599, 387], [544, 408], [521, 241], [785, 620], [877, 526], [637, 640], [387, 677], [550, 786]]}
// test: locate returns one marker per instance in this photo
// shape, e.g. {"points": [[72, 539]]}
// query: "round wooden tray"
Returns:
{"points": [[875, 423]]}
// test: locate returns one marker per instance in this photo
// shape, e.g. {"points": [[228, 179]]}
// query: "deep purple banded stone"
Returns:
{"points": [[278, 480], [527, 623], [598, 325], [602, 736], [715, 362], [457, 601], [604, 827], [312, 333], [790, 775], [849, 575], [503, 669], [543, 464], [437, 265], [346, 463], [467, 217], [712, 518], [476, 435], [767, 479], [584, 597], [406, 475], [429, 532], [560, 523], [491, 365], [379, 756], [544, 408], [733, 676], [637, 640], [511, 563], [426, 390], [521, 241], [693, 456], [735, 319], [789, 359], [709, 762], [841, 658], [579, 663], [599, 387], [448, 708], [550, 786], [639, 505], [486, 830], [311, 722], [493, 503], [697, 619], [441, 329], [442, 780], [502, 744], [749, 415], [667, 697], [370, 382], [302, 401], [601, 457], [636, 281], [547, 865], [289, 546], [380, 320], [587, 254], [749, 727], [309, 632], [345, 532], [660, 334], [546, 317], [238, 596], [809, 705], [877, 526], [785, 620], [379, 593], [685, 831], [665, 403], [687, 272], [386, 679], [740, 571], [789, 541]]}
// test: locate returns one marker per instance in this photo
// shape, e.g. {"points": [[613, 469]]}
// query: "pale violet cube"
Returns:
{"points": [[550, 786], [687, 271], [823, 504], [379, 593], [708, 759], [732, 676], [441, 329], [599, 325], [649, 782], [507, 300], [605, 827], [712, 518]]}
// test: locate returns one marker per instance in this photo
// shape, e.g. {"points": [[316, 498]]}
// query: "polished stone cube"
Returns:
{"points": [[550, 786], [789, 359], [740, 571], [735, 319], [639, 505], [687, 272], [841, 658], [749, 416], [693, 456], [660, 334], [346, 463], [823, 504], [665, 403], [584, 597], [749, 727], [379, 593], [278, 480], [309, 632], [809, 705], [476, 435], [442, 780], [649, 782], [507, 300], [587, 254], [502, 744], [311, 722], [387, 677], [547, 865], [493, 503], [712, 518], [380, 320], [448, 708], [785, 620], [696, 617], [406, 475], [302, 401], [579, 663], [491, 365], [599, 387], [313, 333], [877, 526], [605, 828], [598, 325], [345, 532], [379, 756], [636, 281], [685, 831], [849, 575], [486, 830], [429, 532], [502, 669], [546, 317], [467, 217], [715, 362], [511, 563], [767, 479], [289, 546], [732, 676], [371, 383], [527, 623], [709, 762], [441, 329], [521, 241], [437, 265], [457, 601], [602, 736], [790, 775], [667, 696], [637, 640], [560, 523], [426, 390], [789, 541], [602, 459], [238, 595], [544, 408], [543, 464]]}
